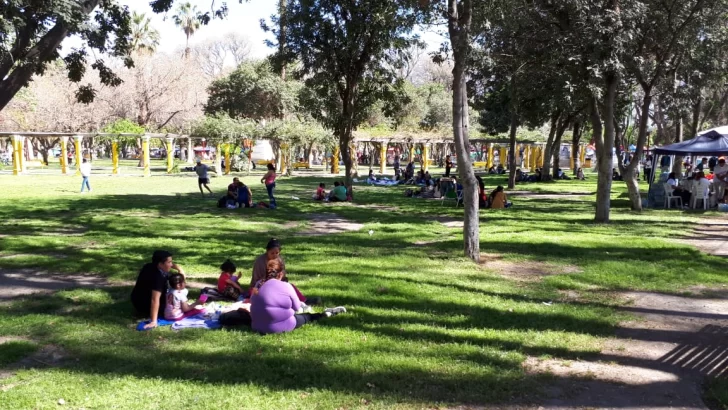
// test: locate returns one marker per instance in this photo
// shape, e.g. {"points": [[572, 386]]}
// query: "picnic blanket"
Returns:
{"points": [[196, 322], [383, 182], [160, 322]]}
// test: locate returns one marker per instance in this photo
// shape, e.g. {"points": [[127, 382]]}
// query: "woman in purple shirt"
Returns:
{"points": [[274, 304]]}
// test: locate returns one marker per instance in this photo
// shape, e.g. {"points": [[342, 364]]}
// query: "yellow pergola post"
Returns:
{"points": [[534, 157], [218, 160], [571, 159], [503, 156], [526, 156], [64, 155], [115, 157], [582, 156], [170, 154], [490, 155], [335, 160], [412, 152], [145, 153], [541, 152], [17, 170], [382, 157], [79, 152], [426, 156], [228, 162], [284, 158], [21, 154]]}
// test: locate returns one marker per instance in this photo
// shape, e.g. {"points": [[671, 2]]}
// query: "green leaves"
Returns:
{"points": [[253, 91]]}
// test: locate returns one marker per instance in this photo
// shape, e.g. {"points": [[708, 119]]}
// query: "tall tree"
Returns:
{"points": [[341, 49], [144, 37], [459, 16], [31, 33], [188, 18]]}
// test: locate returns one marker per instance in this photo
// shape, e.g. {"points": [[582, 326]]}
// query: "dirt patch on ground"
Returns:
{"points": [[523, 270], [709, 236], [659, 360], [23, 282], [47, 356], [327, 224]]}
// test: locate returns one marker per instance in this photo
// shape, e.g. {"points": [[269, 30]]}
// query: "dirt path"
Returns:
{"points": [[660, 359], [657, 361], [23, 282]]}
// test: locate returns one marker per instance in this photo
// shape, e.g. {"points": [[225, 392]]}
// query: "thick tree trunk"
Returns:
{"points": [[576, 139], [679, 132], [546, 169], [604, 138], [629, 172], [512, 150], [556, 151], [471, 228]]}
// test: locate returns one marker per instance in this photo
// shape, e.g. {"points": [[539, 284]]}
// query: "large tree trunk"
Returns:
{"points": [[629, 174], [459, 20], [576, 139], [605, 145], [556, 150], [546, 169], [512, 148]]}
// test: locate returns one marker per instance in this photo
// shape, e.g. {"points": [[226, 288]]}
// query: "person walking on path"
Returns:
{"points": [[269, 179], [202, 177], [85, 174]]}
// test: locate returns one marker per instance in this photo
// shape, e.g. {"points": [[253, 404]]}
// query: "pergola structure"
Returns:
{"points": [[533, 152], [20, 166]]}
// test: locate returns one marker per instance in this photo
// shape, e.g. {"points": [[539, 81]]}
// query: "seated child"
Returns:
{"points": [[227, 284], [320, 194], [176, 307]]}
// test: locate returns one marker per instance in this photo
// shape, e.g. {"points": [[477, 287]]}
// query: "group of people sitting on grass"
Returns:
{"points": [[275, 306], [239, 195], [338, 194]]}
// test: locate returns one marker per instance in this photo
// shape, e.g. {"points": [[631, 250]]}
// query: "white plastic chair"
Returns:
{"points": [[670, 196], [701, 192]]}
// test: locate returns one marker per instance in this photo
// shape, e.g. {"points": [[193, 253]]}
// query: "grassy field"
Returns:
{"points": [[426, 327]]}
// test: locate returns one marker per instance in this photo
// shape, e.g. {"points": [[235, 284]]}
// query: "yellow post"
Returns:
{"points": [[490, 155], [412, 152], [382, 157], [64, 155], [170, 155], [21, 154], [228, 163], [16, 156], [541, 153], [534, 157], [426, 156], [115, 157], [145, 153], [571, 159], [526, 156], [335, 160], [503, 156], [79, 154], [582, 157], [284, 158]]}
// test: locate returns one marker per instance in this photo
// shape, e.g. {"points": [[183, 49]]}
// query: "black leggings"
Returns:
{"points": [[303, 318]]}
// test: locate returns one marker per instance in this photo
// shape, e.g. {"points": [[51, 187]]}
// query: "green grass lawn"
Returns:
{"points": [[425, 327]]}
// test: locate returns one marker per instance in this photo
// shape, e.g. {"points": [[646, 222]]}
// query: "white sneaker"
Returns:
{"points": [[334, 311]]}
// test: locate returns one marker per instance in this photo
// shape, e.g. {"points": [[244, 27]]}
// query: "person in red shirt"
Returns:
{"points": [[320, 192], [227, 284]]}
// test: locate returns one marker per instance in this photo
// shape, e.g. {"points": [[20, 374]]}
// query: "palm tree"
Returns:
{"points": [[187, 18], [144, 37]]}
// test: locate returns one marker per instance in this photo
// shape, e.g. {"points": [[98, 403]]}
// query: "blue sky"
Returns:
{"points": [[242, 18]]}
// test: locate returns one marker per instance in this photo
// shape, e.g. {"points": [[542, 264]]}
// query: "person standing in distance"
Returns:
{"points": [[85, 174], [202, 177], [448, 165], [269, 179]]}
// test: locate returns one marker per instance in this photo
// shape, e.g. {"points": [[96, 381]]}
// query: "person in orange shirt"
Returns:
{"points": [[498, 198]]}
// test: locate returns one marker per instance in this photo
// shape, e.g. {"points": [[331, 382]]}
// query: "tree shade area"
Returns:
{"points": [[462, 201], [423, 324]]}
